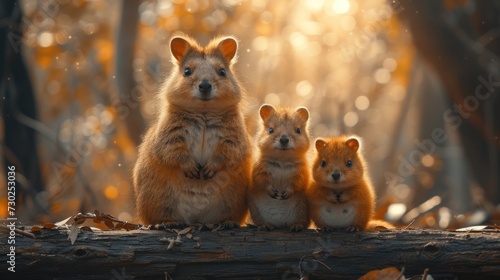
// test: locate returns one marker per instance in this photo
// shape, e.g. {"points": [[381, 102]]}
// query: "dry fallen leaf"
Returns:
{"points": [[73, 233], [36, 228], [109, 224], [63, 222], [183, 231], [98, 217], [86, 228], [198, 241], [474, 228], [479, 228], [170, 244], [389, 273], [49, 225]]}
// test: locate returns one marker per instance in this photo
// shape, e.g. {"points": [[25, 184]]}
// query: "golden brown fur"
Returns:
{"points": [[376, 225], [277, 196], [194, 164], [340, 196]]}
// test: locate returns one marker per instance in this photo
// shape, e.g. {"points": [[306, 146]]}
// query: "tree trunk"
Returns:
{"points": [[17, 105], [251, 254], [129, 96], [471, 76]]}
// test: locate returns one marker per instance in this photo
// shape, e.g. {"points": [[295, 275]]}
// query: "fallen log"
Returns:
{"points": [[247, 253]]}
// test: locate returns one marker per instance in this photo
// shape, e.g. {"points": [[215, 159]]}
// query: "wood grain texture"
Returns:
{"points": [[250, 254]]}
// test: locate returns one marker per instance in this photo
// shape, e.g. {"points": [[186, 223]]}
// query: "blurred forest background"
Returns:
{"points": [[418, 80]]}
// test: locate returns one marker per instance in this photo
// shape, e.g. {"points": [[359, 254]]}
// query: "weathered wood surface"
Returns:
{"points": [[248, 253]]}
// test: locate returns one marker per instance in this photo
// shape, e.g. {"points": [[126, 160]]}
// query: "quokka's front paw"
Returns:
{"points": [[329, 229], [229, 225], [266, 227], [296, 227], [191, 169], [169, 225], [210, 169], [353, 229]]}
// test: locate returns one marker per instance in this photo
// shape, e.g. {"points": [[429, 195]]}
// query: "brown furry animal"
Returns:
{"points": [[194, 164], [277, 196], [341, 195]]}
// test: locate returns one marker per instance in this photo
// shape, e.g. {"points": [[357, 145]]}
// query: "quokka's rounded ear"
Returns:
{"points": [[265, 111], [228, 47], [353, 144], [303, 113], [320, 144], [179, 47]]}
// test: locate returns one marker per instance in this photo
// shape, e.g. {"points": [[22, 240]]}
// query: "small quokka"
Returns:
{"points": [[341, 195], [194, 164], [277, 197]]}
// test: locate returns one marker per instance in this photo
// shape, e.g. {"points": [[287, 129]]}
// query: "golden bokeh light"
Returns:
{"points": [[444, 217], [341, 6], [382, 76], [390, 64], [395, 211], [403, 191], [304, 88], [272, 99], [351, 119], [111, 192], [45, 39], [348, 23], [362, 102], [427, 160], [125, 216], [314, 5]]}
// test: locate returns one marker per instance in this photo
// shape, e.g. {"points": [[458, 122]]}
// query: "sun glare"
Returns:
{"points": [[341, 6]]}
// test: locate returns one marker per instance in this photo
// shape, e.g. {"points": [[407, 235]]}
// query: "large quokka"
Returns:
{"points": [[277, 197], [194, 164]]}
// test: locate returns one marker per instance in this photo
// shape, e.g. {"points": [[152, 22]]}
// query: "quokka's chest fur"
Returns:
{"points": [[202, 134], [338, 215], [281, 172]]}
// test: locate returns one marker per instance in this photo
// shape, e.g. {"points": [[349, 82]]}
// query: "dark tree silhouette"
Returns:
{"points": [[17, 103], [470, 73], [127, 34]]}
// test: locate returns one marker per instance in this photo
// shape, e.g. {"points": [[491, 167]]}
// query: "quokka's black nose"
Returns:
{"points": [[336, 175], [284, 140], [205, 87]]}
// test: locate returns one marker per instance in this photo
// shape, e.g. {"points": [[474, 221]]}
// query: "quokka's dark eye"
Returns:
{"points": [[222, 72], [323, 163], [348, 163], [298, 130], [271, 130], [187, 72]]}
